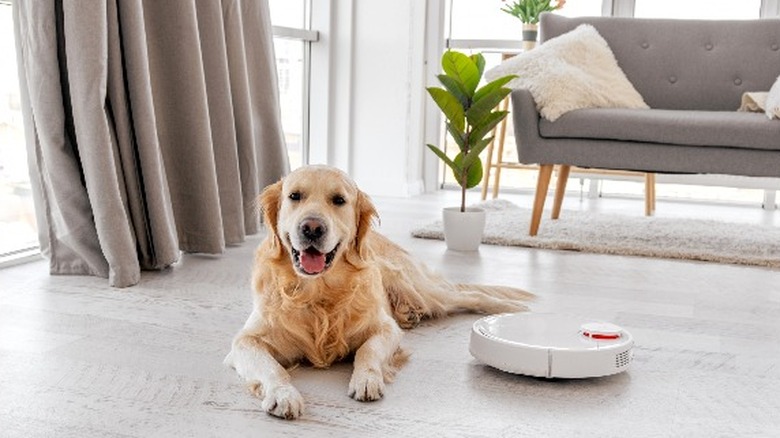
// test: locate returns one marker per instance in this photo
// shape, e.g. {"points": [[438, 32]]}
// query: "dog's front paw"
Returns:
{"points": [[284, 402], [366, 385]]}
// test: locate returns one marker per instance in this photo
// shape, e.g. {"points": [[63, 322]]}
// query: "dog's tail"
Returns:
{"points": [[475, 298], [415, 293], [499, 292], [509, 292], [427, 295]]}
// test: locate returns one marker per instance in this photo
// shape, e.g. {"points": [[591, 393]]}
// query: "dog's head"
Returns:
{"points": [[318, 215]]}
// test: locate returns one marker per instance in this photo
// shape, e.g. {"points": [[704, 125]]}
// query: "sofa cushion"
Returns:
{"points": [[575, 70], [676, 127]]}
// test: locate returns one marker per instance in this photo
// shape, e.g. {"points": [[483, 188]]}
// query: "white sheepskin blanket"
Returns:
{"points": [[753, 102], [572, 71]]}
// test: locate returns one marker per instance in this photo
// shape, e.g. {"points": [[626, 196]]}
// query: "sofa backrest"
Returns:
{"points": [[687, 64]]}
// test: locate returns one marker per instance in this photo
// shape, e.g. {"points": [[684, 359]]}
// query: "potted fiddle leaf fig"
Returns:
{"points": [[470, 118]]}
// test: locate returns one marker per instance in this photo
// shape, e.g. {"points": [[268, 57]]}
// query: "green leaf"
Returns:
{"points": [[458, 136], [479, 61], [456, 88], [490, 86], [449, 105], [488, 123], [461, 67], [456, 169], [524, 15], [474, 175], [480, 110], [473, 155]]}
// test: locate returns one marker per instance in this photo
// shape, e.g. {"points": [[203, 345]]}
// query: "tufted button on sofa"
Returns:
{"points": [[692, 74]]}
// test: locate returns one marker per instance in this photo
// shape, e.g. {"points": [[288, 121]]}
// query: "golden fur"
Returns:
{"points": [[354, 304]]}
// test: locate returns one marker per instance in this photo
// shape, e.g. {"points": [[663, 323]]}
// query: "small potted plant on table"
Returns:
{"points": [[528, 11], [471, 116]]}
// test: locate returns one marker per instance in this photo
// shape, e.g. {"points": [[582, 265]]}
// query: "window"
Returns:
{"points": [[291, 44], [698, 9], [480, 26], [289, 13], [290, 68], [483, 19], [582, 8], [17, 218]]}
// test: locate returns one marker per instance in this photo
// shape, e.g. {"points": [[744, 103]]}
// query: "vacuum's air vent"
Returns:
{"points": [[623, 359]]}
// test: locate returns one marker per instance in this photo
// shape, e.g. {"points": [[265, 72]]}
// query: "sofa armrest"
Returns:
{"points": [[526, 124]]}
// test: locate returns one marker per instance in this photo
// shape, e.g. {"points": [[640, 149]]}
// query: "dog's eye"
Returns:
{"points": [[338, 200], [295, 196]]}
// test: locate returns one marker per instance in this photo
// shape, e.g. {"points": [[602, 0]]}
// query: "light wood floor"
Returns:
{"points": [[80, 359]]}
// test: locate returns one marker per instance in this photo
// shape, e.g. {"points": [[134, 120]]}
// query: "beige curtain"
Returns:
{"points": [[151, 126]]}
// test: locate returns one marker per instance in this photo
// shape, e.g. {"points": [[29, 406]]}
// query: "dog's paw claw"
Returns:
{"points": [[411, 320], [408, 317], [283, 402], [366, 386]]}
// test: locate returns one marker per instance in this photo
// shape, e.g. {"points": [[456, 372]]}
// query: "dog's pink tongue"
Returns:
{"points": [[312, 261]]}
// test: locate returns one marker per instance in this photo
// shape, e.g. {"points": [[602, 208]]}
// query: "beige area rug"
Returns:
{"points": [[691, 239]]}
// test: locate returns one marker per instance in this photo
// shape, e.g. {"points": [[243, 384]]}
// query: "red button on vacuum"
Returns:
{"points": [[600, 330]]}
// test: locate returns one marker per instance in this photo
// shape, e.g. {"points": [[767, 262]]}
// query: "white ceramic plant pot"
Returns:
{"points": [[463, 230]]}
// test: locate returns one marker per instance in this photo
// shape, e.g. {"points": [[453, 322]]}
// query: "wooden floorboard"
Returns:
{"points": [[80, 359]]}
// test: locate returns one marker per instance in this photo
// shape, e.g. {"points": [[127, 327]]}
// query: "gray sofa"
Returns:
{"points": [[692, 74]]}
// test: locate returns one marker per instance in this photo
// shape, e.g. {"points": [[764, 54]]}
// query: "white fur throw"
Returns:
{"points": [[773, 101], [572, 71], [753, 102]]}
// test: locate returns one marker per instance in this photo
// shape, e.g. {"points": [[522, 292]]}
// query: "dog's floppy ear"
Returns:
{"points": [[270, 202], [366, 214]]}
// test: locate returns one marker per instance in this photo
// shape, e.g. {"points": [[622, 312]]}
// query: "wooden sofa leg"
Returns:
{"points": [[649, 194], [560, 189], [542, 184]]}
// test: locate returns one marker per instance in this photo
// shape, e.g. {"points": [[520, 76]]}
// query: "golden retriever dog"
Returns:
{"points": [[327, 287]]}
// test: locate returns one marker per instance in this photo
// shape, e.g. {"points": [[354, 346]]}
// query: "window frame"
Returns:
{"points": [[307, 36], [25, 253]]}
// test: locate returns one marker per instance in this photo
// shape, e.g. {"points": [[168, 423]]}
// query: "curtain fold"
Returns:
{"points": [[151, 127]]}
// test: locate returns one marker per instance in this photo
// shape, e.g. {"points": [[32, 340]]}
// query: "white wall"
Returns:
{"points": [[368, 100]]}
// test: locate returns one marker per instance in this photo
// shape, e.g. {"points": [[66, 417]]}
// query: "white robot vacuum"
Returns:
{"points": [[551, 346]]}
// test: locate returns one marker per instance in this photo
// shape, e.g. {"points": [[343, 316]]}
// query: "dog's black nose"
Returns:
{"points": [[312, 229]]}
